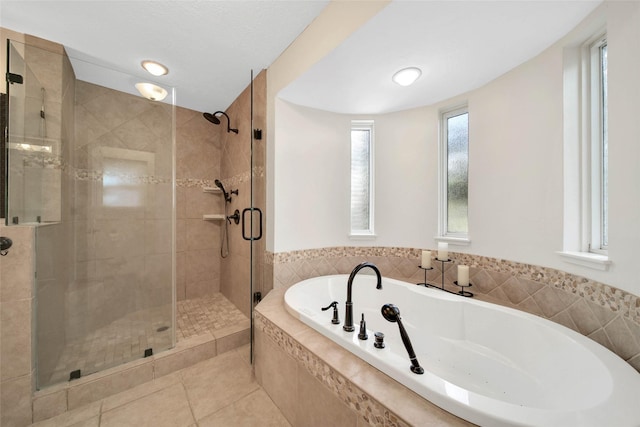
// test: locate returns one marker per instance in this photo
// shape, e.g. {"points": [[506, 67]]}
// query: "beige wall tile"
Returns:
{"points": [[325, 409], [15, 402], [15, 335], [278, 375], [17, 267], [110, 383], [228, 341], [176, 359], [48, 405]]}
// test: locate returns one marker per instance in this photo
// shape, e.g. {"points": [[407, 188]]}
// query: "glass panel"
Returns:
{"points": [[605, 150], [33, 151], [94, 166], [457, 175], [360, 180]]}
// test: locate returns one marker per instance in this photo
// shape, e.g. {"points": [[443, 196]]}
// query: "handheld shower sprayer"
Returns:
{"points": [[218, 184], [216, 121], [227, 196]]}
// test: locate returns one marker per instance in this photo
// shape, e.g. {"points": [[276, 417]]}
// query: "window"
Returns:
{"points": [[454, 177], [598, 141], [586, 168], [362, 178]]}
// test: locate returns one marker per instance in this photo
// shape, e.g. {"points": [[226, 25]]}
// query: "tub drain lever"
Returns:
{"points": [[363, 329], [335, 319]]}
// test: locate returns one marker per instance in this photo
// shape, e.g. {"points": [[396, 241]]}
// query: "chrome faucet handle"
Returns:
{"points": [[335, 319]]}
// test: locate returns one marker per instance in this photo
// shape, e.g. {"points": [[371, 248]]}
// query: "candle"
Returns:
{"points": [[443, 251], [426, 259], [463, 275]]}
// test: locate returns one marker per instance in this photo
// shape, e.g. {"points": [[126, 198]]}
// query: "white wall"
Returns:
{"points": [[516, 166]]}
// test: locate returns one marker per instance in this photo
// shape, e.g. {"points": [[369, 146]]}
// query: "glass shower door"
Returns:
{"points": [[93, 169]]}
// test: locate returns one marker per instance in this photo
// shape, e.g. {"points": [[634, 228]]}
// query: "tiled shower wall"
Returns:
{"points": [[603, 313], [198, 153], [236, 171]]}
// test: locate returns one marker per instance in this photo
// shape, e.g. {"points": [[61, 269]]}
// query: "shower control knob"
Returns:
{"points": [[379, 340]]}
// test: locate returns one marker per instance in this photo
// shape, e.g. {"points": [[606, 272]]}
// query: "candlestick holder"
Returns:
{"points": [[462, 290]]}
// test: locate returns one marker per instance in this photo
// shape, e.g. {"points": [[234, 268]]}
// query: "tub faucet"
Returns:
{"points": [[348, 317]]}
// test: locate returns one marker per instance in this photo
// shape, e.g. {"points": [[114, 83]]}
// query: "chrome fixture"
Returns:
{"points": [[392, 314], [216, 121], [348, 317]]}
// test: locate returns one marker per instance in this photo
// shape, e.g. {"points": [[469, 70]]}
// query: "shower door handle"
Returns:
{"points": [[244, 222]]}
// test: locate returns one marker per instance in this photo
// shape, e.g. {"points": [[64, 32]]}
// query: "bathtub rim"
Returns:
{"points": [[472, 414]]}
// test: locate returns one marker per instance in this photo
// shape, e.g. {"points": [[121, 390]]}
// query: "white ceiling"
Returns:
{"points": [[459, 45], [211, 46]]}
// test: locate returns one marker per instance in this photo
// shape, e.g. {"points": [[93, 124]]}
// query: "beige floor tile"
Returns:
{"points": [[166, 408], [255, 409], [216, 383], [140, 391]]}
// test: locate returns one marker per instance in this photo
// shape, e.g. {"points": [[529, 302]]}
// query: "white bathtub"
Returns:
{"points": [[488, 364]]}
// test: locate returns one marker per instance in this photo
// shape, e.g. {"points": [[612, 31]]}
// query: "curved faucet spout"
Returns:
{"points": [[348, 317]]}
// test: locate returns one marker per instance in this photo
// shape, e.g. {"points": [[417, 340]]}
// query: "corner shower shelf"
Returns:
{"points": [[213, 217], [211, 190]]}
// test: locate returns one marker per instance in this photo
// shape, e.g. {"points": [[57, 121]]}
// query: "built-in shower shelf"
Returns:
{"points": [[213, 217], [211, 190]]}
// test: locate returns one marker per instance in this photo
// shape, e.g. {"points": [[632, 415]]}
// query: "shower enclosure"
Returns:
{"points": [[97, 173], [93, 170]]}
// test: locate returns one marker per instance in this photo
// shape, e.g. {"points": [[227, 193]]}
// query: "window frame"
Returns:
{"points": [[443, 154], [368, 125], [581, 150], [595, 179]]}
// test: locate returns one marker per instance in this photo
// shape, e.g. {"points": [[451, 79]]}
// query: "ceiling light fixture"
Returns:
{"points": [[155, 68], [151, 91], [407, 76]]}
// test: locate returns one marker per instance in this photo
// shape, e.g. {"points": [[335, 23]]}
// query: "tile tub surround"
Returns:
{"points": [[316, 382], [603, 313]]}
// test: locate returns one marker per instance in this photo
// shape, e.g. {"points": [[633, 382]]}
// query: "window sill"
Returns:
{"points": [[362, 236], [587, 259], [460, 241]]}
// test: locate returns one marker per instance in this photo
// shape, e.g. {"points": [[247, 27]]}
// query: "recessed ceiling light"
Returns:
{"points": [[407, 76], [155, 68], [151, 91]]}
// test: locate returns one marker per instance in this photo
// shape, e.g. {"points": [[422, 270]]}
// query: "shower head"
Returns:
{"points": [[216, 121], [213, 119]]}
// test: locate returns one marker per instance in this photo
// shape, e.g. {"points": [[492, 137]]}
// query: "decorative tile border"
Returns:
{"points": [[368, 408]]}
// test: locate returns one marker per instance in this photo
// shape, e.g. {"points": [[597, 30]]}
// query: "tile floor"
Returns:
{"points": [[221, 391], [127, 338]]}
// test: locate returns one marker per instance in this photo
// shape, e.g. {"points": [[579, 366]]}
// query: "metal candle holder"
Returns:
{"points": [[462, 290]]}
